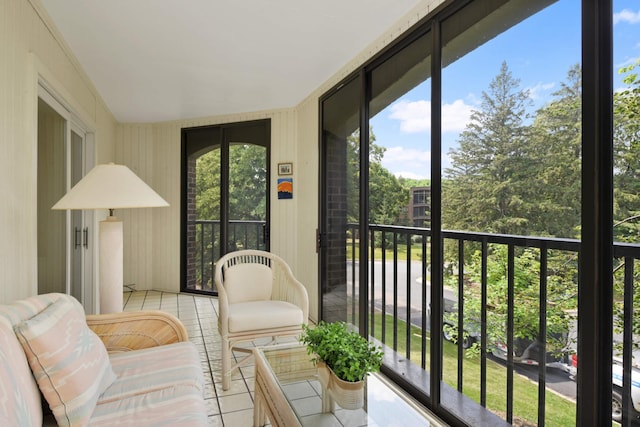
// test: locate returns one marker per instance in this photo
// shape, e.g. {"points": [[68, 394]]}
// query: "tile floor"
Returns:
{"points": [[231, 408]]}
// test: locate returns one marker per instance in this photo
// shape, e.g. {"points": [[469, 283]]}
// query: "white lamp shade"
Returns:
{"points": [[110, 186]]}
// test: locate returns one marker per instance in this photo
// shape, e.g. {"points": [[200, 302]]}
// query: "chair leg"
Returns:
{"points": [[226, 365]]}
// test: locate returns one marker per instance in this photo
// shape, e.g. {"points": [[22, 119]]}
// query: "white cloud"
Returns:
{"points": [[415, 116], [408, 162], [455, 116], [627, 16], [536, 92]]}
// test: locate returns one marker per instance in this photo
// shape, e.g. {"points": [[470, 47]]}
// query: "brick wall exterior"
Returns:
{"points": [[334, 287]]}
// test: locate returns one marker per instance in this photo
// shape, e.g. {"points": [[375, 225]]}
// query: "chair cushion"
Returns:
{"points": [[156, 386], [259, 315], [248, 282], [152, 369], [69, 362], [179, 405]]}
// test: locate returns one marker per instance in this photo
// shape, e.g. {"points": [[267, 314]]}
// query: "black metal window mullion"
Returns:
{"points": [[595, 290], [627, 346], [483, 324], [435, 364], [383, 273], [395, 291], [423, 361], [510, 327], [408, 327], [542, 336], [372, 280], [460, 325]]}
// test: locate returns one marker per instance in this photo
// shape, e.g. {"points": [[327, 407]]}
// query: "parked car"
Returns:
{"points": [[616, 392]]}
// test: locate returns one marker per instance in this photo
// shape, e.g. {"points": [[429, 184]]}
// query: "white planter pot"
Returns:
{"points": [[349, 395]]}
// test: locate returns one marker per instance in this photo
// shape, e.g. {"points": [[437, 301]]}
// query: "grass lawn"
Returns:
{"points": [[559, 411]]}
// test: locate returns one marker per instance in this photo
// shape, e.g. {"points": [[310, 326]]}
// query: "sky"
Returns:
{"points": [[538, 51]]}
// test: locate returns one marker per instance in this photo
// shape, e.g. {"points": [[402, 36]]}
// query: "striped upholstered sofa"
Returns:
{"points": [[132, 368]]}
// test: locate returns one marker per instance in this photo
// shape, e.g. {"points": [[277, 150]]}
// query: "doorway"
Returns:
{"points": [[225, 202], [65, 249]]}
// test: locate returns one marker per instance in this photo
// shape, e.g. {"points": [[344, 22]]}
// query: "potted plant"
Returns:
{"points": [[348, 357]]}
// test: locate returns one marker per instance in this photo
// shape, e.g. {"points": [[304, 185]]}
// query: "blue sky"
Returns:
{"points": [[539, 52]]}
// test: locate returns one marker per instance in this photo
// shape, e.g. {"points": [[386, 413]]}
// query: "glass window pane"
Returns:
{"points": [[511, 136], [341, 204], [399, 177]]}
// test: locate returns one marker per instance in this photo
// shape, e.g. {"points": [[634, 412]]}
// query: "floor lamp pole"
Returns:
{"points": [[110, 264]]}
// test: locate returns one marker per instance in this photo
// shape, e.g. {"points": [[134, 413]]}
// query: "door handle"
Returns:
{"points": [[76, 237], [86, 237]]}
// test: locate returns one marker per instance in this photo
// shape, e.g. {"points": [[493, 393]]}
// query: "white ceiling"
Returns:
{"points": [[160, 60]]}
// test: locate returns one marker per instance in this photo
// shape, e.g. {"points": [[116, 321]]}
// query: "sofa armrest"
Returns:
{"points": [[136, 330]]}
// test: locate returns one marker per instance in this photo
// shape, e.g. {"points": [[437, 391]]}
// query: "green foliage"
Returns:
{"points": [[516, 176], [627, 156], [247, 183], [387, 196], [488, 186], [412, 182], [348, 354], [557, 140], [561, 297]]}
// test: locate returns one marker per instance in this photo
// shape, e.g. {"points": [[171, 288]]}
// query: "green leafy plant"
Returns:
{"points": [[348, 354]]}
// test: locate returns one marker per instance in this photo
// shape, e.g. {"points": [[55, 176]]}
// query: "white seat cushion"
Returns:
{"points": [[258, 315]]}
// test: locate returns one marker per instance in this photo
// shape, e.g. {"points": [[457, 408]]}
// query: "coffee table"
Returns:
{"points": [[288, 393]]}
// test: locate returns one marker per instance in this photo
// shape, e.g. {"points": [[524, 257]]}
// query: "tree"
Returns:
{"points": [[387, 197], [208, 185], [561, 291], [487, 187], [556, 142], [510, 177], [627, 187], [626, 135], [247, 183]]}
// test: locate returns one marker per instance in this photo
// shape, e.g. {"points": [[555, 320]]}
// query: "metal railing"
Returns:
{"points": [[398, 289], [242, 235]]}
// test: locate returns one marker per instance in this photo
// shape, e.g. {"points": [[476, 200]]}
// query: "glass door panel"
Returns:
{"points": [[226, 203], [247, 196]]}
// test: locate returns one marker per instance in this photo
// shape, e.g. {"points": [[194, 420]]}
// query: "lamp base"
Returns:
{"points": [[110, 265]]}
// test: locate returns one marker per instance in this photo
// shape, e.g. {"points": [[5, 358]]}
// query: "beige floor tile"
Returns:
{"points": [[235, 402], [239, 418]]}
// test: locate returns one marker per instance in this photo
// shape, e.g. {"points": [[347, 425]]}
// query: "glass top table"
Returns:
{"points": [[288, 393]]}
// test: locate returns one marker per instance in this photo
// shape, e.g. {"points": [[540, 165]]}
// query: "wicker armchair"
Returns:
{"points": [[258, 297]]}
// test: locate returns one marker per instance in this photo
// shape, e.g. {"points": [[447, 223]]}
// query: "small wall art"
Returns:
{"points": [[285, 168], [285, 188]]}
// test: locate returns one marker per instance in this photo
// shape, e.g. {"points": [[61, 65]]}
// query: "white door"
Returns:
{"points": [[65, 249]]}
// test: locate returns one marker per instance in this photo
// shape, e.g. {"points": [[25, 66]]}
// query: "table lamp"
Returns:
{"points": [[110, 186]]}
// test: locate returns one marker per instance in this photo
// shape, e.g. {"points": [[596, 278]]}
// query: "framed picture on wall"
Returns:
{"points": [[285, 168]]}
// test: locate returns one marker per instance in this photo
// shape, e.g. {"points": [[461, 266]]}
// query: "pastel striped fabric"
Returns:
{"points": [[19, 395], [68, 360], [154, 385]]}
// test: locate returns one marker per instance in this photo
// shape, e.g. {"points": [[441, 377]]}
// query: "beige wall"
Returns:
{"points": [[29, 50]]}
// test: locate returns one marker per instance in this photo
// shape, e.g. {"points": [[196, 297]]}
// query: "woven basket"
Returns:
{"points": [[349, 395]]}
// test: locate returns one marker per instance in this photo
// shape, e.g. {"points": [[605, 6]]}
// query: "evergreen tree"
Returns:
{"points": [[488, 186], [556, 143]]}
